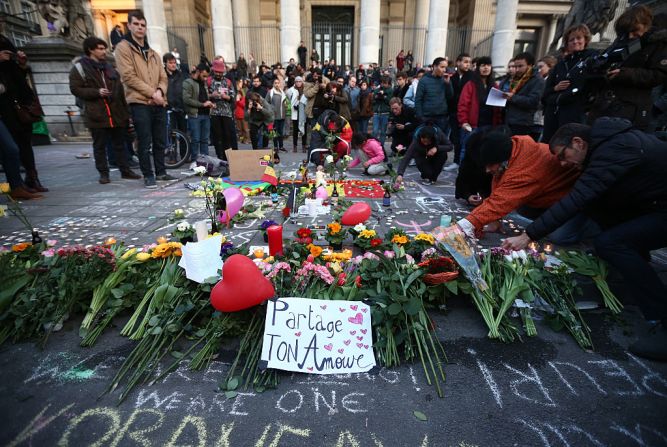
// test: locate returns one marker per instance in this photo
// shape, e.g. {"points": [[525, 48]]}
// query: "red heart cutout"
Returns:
{"points": [[233, 293], [356, 214]]}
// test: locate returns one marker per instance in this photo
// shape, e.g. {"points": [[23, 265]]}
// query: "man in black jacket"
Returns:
{"points": [[175, 91], [622, 187], [402, 125]]}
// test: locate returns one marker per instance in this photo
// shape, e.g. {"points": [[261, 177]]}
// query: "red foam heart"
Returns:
{"points": [[242, 286], [356, 214]]}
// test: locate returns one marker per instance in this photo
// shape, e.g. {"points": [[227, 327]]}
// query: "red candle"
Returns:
{"points": [[275, 233]]}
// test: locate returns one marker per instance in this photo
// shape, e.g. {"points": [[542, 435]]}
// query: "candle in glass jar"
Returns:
{"points": [[534, 246], [548, 248], [275, 233], [161, 240], [259, 253], [110, 240]]}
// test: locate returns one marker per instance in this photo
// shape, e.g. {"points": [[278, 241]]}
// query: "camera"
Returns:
{"points": [[609, 59]]}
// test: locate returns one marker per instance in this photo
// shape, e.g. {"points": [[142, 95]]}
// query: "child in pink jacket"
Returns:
{"points": [[370, 154]]}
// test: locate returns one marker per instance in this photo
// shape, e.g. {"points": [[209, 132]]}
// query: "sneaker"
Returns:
{"points": [[133, 162], [149, 183], [653, 345], [193, 165], [413, 162], [426, 182], [282, 149], [129, 174], [166, 177], [104, 179], [452, 167]]}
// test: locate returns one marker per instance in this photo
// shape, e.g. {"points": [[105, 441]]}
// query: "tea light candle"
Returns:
{"points": [[259, 253], [534, 246], [110, 240], [161, 240], [548, 248], [275, 233]]}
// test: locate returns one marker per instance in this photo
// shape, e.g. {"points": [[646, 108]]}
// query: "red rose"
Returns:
{"points": [[357, 282], [341, 279], [304, 232], [269, 127], [375, 242], [286, 212], [331, 126]]}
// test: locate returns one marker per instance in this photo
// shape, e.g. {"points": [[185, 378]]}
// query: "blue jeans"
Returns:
{"points": [[380, 121], [279, 127], [150, 124], [9, 156], [362, 125], [439, 120], [200, 129]]}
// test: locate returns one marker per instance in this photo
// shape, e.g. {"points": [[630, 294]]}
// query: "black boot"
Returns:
{"points": [[104, 178], [32, 181], [652, 345]]}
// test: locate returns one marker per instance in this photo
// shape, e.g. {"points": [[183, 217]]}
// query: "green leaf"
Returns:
{"points": [[394, 309], [419, 415], [173, 327], [157, 330], [117, 293], [413, 306], [413, 276], [296, 255], [453, 286], [231, 394], [155, 319], [200, 333], [177, 354], [233, 383]]}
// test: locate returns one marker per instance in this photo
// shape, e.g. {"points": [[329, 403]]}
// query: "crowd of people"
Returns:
{"points": [[569, 140]]}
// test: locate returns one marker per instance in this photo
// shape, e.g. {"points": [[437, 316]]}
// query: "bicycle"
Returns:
{"points": [[177, 146]]}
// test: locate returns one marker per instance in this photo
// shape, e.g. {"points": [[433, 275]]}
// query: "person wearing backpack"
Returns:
{"points": [[98, 84]]}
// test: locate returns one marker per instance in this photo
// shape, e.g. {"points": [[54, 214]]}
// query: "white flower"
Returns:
{"points": [[522, 254], [347, 158], [183, 226], [200, 170], [359, 227], [329, 159]]}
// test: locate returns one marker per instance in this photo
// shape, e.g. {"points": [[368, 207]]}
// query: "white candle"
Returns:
{"points": [[201, 228]]}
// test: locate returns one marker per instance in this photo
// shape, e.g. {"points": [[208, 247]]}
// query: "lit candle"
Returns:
{"points": [[548, 248], [534, 246], [275, 233], [161, 240], [259, 253], [110, 240]]}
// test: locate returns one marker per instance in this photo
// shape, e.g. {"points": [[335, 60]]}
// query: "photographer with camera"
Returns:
{"points": [[381, 97], [564, 95], [627, 89], [402, 125], [259, 115]]}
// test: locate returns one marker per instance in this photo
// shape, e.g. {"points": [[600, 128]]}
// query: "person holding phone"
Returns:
{"points": [[402, 125]]}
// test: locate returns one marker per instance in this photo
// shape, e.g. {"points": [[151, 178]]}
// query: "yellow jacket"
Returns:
{"points": [[141, 77]]}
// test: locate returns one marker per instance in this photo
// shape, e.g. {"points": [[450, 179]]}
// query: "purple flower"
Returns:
{"points": [[267, 223], [224, 248]]}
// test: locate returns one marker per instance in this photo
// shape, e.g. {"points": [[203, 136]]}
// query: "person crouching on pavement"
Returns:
{"points": [[98, 84], [526, 178], [369, 153], [622, 187], [429, 149]]}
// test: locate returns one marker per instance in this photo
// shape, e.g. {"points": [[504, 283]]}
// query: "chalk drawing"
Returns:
{"points": [[488, 377], [319, 396], [137, 435], [573, 366], [414, 380], [414, 227], [225, 432], [533, 378], [279, 403], [262, 439], [37, 424], [614, 370], [345, 438], [238, 401], [651, 376], [113, 419], [637, 435], [200, 427], [283, 429], [350, 404]]}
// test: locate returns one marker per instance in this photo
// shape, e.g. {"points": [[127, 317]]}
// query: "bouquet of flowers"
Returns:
{"points": [[335, 234]]}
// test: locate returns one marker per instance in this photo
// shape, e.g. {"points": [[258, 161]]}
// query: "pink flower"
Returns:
{"points": [[51, 243], [49, 253], [389, 254]]}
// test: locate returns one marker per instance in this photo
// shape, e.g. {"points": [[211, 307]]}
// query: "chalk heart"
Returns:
{"points": [[232, 293], [356, 214], [357, 319], [328, 347]]}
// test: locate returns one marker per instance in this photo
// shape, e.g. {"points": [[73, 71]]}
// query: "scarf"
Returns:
{"points": [[102, 68], [515, 86]]}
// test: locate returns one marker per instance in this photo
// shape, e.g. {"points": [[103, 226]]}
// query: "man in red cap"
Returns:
{"points": [[222, 94]]}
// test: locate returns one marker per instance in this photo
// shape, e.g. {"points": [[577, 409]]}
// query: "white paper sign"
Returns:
{"points": [[318, 336], [201, 260], [496, 98]]}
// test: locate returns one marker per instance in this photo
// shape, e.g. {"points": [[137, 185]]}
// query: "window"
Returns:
{"points": [[6, 6], [29, 12], [20, 40]]}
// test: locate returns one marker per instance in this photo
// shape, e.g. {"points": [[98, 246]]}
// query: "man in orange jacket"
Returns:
{"points": [[525, 175]]}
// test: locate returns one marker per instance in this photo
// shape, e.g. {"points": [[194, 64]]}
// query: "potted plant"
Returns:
{"points": [[335, 235], [265, 226], [184, 232]]}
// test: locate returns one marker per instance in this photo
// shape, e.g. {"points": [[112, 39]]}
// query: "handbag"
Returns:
{"points": [[29, 113]]}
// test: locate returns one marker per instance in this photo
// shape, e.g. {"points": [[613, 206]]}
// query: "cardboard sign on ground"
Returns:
{"points": [[247, 165]]}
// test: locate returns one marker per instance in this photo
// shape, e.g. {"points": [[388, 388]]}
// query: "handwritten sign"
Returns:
{"points": [[318, 337]]}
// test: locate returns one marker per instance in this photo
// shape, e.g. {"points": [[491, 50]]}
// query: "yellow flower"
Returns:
{"points": [[143, 257], [4, 188], [269, 260], [128, 253], [21, 246], [335, 267], [367, 234], [178, 252], [334, 228], [161, 251], [315, 250], [425, 237], [398, 239], [266, 158], [3, 210]]}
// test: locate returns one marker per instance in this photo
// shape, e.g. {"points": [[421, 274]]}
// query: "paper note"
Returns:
{"points": [[201, 260], [318, 336], [496, 98]]}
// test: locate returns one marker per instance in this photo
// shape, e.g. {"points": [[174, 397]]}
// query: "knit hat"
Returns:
{"points": [[218, 66], [495, 148], [298, 78]]}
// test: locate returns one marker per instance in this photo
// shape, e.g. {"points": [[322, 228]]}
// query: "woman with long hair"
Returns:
{"points": [[298, 103], [365, 107], [239, 112]]}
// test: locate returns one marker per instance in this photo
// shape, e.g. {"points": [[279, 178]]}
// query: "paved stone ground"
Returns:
{"points": [[543, 391]]}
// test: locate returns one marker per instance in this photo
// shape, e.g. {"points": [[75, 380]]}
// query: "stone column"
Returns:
{"points": [[502, 46], [290, 29], [241, 23], [369, 32], [156, 23], [421, 25], [223, 29], [436, 39]]}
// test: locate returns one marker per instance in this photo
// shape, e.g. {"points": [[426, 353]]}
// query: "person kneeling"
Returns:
{"points": [[369, 153], [429, 149]]}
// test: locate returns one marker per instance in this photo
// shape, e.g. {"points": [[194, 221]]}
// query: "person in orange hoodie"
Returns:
{"points": [[525, 176]]}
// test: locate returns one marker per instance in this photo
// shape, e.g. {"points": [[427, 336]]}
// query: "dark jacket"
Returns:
{"points": [[259, 117], [416, 149], [520, 109], [99, 112], [623, 177], [565, 106], [628, 95], [191, 97], [17, 89], [473, 178], [381, 98], [432, 96], [365, 103], [175, 90], [409, 120]]}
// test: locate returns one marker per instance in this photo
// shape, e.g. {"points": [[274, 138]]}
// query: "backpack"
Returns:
{"points": [[80, 103], [214, 166]]}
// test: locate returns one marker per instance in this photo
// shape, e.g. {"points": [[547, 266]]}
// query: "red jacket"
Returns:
{"points": [[239, 108], [468, 108]]}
